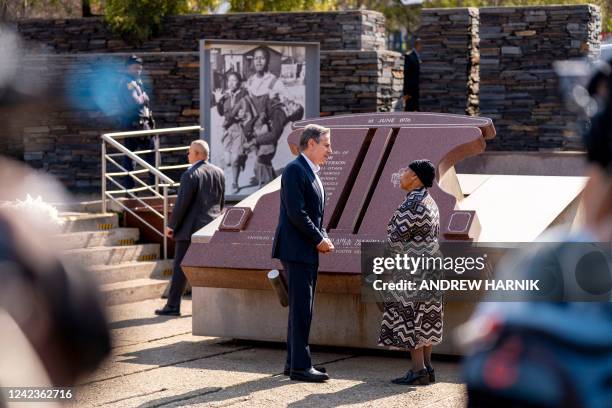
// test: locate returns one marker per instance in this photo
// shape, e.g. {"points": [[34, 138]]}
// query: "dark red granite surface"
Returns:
{"points": [[368, 149]]}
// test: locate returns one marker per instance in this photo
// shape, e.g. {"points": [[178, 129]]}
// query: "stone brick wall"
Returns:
{"points": [[518, 87], [360, 81], [60, 133], [450, 60], [346, 30]]}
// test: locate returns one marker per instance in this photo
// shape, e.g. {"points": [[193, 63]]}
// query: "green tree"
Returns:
{"points": [[138, 20]]}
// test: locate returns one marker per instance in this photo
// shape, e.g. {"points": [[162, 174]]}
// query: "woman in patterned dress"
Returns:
{"points": [[409, 323]]}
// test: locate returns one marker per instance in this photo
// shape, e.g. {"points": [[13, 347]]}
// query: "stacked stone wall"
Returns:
{"points": [[519, 88], [449, 76], [338, 30], [63, 137]]}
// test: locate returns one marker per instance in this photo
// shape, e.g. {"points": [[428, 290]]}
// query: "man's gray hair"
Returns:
{"points": [[202, 146], [312, 132]]}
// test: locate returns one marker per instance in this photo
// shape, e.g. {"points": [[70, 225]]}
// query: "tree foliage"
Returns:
{"points": [[141, 19], [138, 20]]}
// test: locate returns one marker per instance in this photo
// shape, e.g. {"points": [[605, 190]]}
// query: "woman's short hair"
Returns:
{"points": [[312, 131]]}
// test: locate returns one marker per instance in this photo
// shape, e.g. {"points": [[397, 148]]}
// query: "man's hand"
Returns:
{"points": [[169, 232], [325, 246], [406, 98]]}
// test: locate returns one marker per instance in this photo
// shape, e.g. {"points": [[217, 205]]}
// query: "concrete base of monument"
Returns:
{"points": [[339, 319]]}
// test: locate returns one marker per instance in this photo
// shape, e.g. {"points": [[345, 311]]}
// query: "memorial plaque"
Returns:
{"points": [[463, 225], [361, 196], [235, 219]]}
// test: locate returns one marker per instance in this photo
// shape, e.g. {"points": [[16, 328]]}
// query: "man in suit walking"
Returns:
{"points": [[200, 200], [412, 71], [299, 239]]}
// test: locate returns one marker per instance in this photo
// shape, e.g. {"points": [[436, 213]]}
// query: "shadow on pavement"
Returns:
{"points": [[122, 324]]}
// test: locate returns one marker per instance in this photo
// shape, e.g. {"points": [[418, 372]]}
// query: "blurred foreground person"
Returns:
{"points": [[53, 329], [556, 351], [56, 307]]}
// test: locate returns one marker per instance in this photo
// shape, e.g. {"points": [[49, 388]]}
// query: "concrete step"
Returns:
{"points": [[88, 239], [77, 222], [132, 291], [112, 255], [122, 272]]}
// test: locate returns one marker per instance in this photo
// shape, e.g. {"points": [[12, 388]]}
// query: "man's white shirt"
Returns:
{"points": [[315, 169]]}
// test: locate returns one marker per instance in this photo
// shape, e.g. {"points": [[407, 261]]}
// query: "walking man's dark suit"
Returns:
{"points": [[200, 200], [412, 71], [298, 240]]}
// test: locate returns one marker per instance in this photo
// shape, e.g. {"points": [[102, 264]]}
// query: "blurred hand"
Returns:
{"points": [[169, 232]]}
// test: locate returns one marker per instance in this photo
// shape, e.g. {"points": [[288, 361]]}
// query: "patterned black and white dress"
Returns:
{"points": [[413, 229]]}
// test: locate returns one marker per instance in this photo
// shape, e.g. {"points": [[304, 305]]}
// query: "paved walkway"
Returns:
{"points": [[157, 362]]}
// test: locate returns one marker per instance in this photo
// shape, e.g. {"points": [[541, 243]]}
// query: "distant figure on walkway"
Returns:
{"points": [[412, 70], [298, 240], [135, 115], [201, 197], [414, 324]]}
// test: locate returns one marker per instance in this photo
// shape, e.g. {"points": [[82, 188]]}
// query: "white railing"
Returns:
{"points": [[162, 181]]}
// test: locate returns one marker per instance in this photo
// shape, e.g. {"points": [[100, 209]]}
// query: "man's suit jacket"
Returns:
{"points": [[200, 199], [300, 222], [412, 68]]}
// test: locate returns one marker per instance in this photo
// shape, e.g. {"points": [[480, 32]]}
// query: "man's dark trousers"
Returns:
{"points": [[177, 287], [302, 279], [134, 144]]}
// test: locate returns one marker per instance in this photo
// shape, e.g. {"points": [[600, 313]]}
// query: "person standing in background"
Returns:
{"points": [[200, 199], [135, 114], [412, 69]]}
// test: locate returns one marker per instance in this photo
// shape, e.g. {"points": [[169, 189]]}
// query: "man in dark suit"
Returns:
{"points": [[299, 239], [412, 69], [200, 200]]}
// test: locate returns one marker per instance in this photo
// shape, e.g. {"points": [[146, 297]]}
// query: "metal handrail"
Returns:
{"points": [[161, 180]]}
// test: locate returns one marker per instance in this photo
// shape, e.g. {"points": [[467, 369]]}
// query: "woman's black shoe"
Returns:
{"points": [[432, 373], [421, 377]]}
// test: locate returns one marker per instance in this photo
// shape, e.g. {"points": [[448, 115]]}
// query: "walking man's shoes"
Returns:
{"points": [[420, 377], [287, 370], [168, 311], [310, 375]]}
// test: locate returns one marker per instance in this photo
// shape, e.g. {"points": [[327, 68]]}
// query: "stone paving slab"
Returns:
{"points": [[158, 362]]}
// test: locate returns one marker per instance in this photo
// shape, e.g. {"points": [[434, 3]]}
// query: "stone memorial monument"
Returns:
{"points": [[228, 261]]}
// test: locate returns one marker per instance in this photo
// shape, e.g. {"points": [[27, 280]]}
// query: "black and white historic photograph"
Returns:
{"points": [[257, 90]]}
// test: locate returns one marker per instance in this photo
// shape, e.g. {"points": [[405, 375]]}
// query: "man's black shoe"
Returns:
{"points": [[168, 311], [287, 370], [310, 375]]}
